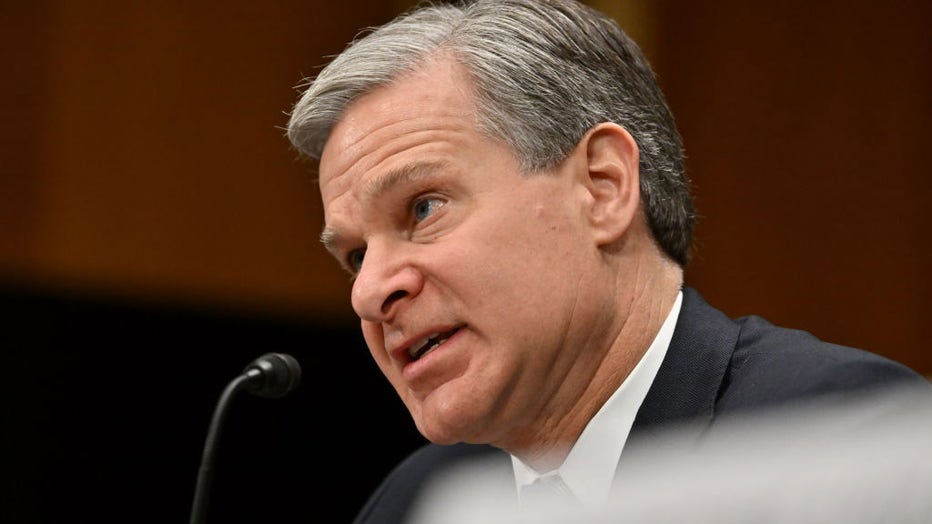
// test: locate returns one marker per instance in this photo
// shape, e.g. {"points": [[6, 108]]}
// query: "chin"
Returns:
{"points": [[446, 441], [445, 426], [440, 433]]}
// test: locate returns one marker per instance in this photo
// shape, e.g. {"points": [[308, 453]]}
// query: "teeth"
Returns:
{"points": [[428, 344], [433, 347], [415, 350]]}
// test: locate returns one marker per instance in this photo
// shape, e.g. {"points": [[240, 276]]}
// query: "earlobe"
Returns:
{"points": [[612, 180]]}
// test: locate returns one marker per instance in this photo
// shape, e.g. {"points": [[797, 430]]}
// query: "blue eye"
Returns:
{"points": [[354, 259], [424, 208]]}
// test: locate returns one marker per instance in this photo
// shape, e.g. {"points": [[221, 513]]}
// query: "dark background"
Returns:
{"points": [[111, 401], [157, 233]]}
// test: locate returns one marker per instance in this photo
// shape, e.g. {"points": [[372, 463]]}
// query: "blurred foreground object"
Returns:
{"points": [[855, 460]]}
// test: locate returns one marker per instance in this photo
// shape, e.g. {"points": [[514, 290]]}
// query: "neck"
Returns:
{"points": [[641, 304]]}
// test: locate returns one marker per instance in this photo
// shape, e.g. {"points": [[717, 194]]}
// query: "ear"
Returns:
{"points": [[611, 180]]}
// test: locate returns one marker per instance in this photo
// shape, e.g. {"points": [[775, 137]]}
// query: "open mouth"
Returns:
{"points": [[429, 343]]}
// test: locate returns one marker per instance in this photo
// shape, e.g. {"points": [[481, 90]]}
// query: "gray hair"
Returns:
{"points": [[544, 72]]}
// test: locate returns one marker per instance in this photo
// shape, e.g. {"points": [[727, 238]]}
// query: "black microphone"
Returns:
{"points": [[272, 375]]}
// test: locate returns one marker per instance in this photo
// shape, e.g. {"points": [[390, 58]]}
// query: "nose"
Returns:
{"points": [[384, 283]]}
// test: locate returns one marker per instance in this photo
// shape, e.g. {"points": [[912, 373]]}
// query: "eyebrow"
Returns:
{"points": [[375, 188]]}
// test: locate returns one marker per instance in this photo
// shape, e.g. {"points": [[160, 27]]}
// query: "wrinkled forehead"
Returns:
{"points": [[431, 101]]}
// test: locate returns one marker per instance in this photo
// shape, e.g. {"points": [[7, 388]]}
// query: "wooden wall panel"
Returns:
{"points": [[23, 52], [806, 131], [149, 161]]}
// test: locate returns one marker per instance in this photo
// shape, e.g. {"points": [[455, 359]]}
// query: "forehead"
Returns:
{"points": [[433, 97], [427, 106]]}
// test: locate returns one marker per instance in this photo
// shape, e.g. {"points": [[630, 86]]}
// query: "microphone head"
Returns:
{"points": [[272, 375]]}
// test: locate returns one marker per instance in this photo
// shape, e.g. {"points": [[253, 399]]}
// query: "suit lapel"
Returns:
{"points": [[686, 387]]}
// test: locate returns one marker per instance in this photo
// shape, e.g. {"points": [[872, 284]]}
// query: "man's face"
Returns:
{"points": [[479, 287]]}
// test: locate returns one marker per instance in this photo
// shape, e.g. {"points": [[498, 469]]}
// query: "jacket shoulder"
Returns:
{"points": [[773, 364]]}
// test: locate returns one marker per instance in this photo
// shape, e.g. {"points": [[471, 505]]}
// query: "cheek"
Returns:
{"points": [[531, 257], [529, 284], [372, 332]]}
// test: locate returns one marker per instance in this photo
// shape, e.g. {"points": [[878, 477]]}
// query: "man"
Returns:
{"points": [[505, 183]]}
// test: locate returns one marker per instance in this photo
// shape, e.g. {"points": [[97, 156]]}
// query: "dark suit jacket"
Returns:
{"points": [[715, 367]]}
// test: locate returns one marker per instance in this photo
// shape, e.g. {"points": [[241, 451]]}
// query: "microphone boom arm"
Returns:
{"points": [[205, 472], [272, 375]]}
